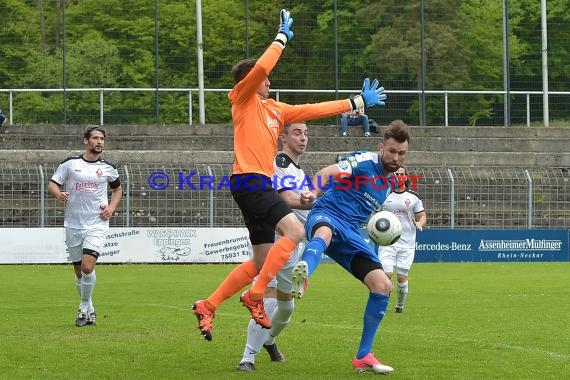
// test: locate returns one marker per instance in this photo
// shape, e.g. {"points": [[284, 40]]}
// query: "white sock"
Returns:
{"points": [[256, 334], [87, 284], [402, 293], [280, 319], [78, 285]]}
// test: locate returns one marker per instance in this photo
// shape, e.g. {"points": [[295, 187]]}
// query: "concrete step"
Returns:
{"points": [[316, 143], [415, 158], [314, 130]]}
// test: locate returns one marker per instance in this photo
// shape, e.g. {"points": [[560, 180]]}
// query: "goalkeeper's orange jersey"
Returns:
{"points": [[258, 122]]}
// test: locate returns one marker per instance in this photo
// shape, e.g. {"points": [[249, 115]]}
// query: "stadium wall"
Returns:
{"points": [[231, 245]]}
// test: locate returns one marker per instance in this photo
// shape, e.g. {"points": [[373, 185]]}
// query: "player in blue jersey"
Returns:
{"points": [[360, 185]]}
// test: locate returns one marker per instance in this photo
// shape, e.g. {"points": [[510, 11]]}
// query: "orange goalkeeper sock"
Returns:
{"points": [[241, 276], [276, 258]]}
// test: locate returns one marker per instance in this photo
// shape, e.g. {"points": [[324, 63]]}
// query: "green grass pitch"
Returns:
{"points": [[462, 321]]}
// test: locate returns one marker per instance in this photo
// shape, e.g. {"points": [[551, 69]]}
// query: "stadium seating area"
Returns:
{"points": [[431, 146]]}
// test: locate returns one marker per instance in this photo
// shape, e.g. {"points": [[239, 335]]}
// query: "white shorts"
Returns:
{"points": [[283, 279], [76, 240], [399, 257]]}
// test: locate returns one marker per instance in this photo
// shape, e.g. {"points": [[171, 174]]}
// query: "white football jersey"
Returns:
{"points": [[405, 205], [86, 182], [289, 176]]}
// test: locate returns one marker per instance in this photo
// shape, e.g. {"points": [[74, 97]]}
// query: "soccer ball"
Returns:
{"points": [[384, 228]]}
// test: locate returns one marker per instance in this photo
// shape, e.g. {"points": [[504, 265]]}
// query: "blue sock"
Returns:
{"points": [[373, 314], [313, 253]]}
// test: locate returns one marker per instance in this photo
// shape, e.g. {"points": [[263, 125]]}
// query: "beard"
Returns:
{"points": [[96, 150], [389, 167]]}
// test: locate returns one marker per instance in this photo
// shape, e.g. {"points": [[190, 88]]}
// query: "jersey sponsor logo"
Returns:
{"points": [[372, 201], [80, 186], [272, 123], [399, 212]]}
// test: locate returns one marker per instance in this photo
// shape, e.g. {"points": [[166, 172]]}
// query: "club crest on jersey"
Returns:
{"points": [[99, 172], [344, 166]]}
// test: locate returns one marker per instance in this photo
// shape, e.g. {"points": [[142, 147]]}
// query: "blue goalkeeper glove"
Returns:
{"points": [[285, 33], [370, 95]]}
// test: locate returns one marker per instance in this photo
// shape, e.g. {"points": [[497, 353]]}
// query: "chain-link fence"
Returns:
{"points": [[198, 196], [67, 48]]}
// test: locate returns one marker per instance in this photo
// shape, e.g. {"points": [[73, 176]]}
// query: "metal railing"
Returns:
{"points": [[453, 197], [277, 93]]}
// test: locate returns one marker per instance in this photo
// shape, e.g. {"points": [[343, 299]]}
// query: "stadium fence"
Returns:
{"points": [[194, 195], [103, 98]]}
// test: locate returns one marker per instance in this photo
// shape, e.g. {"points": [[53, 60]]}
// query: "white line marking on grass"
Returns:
{"points": [[556, 355], [168, 306], [189, 308], [489, 344]]}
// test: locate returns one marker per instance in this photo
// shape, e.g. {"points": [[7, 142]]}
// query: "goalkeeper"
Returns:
{"points": [[258, 121]]}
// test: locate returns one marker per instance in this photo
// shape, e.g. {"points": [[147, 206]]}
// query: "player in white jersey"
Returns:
{"points": [[408, 207], [290, 182], [87, 212]]}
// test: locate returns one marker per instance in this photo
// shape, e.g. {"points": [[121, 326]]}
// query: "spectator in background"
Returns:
{"points": [[2, 118], [356, 117]]}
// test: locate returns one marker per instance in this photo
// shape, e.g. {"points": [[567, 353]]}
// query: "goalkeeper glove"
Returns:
{"points": [[369, 96], [285, 33]]}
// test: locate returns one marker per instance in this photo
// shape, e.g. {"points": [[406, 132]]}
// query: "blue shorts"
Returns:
{"points": [[346, 242]]}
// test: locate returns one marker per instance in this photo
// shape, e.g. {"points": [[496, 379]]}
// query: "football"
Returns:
{"points": [[384, 228]]}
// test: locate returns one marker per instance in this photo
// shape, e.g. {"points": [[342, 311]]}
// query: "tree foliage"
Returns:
{"points": [[114, 43]]}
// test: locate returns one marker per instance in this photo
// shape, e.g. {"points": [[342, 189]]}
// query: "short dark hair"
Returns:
{"points": [[408, 182], [398, 130], [242, 68], [89, 131], [286, 127]]}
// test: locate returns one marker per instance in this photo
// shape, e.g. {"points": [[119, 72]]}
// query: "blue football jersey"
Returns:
{"points": [[360, 189]]}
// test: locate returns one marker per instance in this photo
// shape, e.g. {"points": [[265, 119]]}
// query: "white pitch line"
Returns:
{"points": [[555, 355], [168, 306]]}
